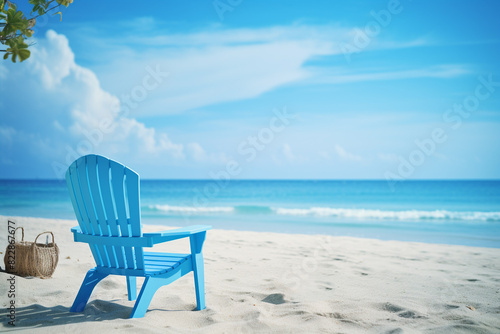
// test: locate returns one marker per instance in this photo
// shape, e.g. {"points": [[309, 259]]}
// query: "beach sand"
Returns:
{"points": [[271, 282]]}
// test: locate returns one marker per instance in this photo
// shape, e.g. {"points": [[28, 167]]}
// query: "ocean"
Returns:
{"points": [[448, 212]]}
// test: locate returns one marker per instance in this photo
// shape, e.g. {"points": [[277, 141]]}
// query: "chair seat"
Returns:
{"points": [[161, 263]]}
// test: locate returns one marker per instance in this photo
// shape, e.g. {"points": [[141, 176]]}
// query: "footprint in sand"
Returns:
{"points": [[275, 298], [392, 308], [395, 331], [401, 312]]}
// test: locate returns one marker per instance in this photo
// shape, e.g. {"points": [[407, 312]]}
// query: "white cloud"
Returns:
{"points": [[198, 154], [404, 44], [441, 156], [6, 134], [223, 74], [221, 65], [3, 72], [321, 35], [55, 62], [287, 152], [69, 111], [390, 157], [344, 155], [339, 75], [325, 155], [216, 66]]}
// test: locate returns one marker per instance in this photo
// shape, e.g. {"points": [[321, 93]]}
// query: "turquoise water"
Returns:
{"points": [[451, 212]]}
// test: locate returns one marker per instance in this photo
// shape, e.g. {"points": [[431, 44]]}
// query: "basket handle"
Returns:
{"points": [[34, 250], [22, 230], [44, 233]]}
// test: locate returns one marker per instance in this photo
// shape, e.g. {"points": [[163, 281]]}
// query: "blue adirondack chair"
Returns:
{"points": [[105, 198]]}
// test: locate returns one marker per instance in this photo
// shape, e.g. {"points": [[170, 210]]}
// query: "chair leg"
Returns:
{"points": [[91, 279], [196, 242], [131, 287], [148, 290], [199, 281]]}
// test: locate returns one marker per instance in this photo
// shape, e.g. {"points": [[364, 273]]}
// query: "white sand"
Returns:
{"points": [[270, 282]]}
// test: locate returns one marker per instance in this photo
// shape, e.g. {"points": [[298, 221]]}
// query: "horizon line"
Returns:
{"points": [[264, 179]]}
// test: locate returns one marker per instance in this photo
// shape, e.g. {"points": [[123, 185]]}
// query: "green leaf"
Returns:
{"points": [[17, 48], [59, 14], [15, 27], [39, 6], [24, 54], [64, 2], [15, 21], [11, 5]]}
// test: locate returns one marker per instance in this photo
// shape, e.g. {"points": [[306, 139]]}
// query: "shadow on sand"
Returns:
{"points": [[38, 316]]}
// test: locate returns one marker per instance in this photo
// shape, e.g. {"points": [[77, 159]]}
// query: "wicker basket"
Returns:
{"points": [[32, 258]]}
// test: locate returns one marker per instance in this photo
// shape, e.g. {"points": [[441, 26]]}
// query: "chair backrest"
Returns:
{"points": [[105, 197]]}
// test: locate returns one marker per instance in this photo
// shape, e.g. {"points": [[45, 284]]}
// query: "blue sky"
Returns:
{"points": [[285, 89]]}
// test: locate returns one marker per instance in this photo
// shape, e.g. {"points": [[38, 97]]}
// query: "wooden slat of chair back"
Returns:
{"points": [[105, 195]]}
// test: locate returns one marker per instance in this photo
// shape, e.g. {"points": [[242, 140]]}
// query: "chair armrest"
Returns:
{"points": [[147, 239], [177, 233], [182, 232], [76, 229], [79, 236]]}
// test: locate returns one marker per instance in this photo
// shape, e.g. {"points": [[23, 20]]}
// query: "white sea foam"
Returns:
{"points": [[191, 209], [393, 215], [443, 215]]}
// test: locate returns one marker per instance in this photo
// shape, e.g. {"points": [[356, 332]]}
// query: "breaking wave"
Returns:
{"points": [[442, 215], [392, 215]]}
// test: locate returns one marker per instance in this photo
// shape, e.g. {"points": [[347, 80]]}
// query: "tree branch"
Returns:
{"points": [[6, 38], [48, 10]]}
